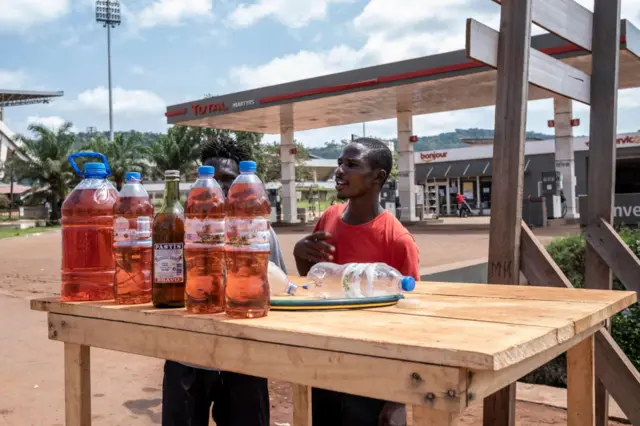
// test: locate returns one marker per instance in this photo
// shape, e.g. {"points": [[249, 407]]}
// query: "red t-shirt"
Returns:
{"points": [[383, 239], [459, 199]]}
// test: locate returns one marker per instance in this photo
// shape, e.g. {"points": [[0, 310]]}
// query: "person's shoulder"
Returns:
{"points": [[334, 210], [396, 231]]}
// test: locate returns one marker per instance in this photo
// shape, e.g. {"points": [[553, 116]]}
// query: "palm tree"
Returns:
{"points": [[127, 152], [178, 150], [45, 161]]}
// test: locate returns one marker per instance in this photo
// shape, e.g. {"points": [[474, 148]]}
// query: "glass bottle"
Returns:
{"points": [[168, 247]]}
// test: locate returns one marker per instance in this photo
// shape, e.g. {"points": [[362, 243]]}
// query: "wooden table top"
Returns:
{"points": [[476, 326]]}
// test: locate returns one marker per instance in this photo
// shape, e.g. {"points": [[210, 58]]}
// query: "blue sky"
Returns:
{"points": [[170, 51]]}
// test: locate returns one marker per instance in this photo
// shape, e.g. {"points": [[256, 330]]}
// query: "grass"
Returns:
{"points": [[7, 233], [306, 204]]}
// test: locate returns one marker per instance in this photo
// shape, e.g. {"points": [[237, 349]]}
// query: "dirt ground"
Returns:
{"points": [[126, 389]]}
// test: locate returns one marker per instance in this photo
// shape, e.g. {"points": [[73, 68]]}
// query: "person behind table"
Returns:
{"points": [[359, 231], [187, 391]]}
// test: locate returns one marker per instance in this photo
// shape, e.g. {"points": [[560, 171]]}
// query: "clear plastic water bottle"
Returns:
{"points": [[247, 245], [204, 236], [88, 264], [356, 280], [133, 215]]}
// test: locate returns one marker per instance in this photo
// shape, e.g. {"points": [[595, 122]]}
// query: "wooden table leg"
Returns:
{"points": [[301, 405], [425, 416], [77, 385], [581, 384]]}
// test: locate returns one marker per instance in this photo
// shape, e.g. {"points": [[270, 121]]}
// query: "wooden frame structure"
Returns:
{"points": [[513, 247]]}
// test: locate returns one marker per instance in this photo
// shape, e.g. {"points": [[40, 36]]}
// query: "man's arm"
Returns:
{"points": [[312, 249], [407, 256], [276, 253]]}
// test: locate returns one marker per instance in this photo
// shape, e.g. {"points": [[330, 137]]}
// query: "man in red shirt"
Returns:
{"points": [[360, 231]]}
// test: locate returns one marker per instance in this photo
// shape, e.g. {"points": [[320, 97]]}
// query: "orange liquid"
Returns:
{"points": [[247, 293], [132, 282], [204, 212], [168, 228], [88, 263]]}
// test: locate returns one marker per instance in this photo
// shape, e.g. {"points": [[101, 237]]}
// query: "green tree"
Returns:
{"points": [[177, 150], [45, 161], [270, 162], [127, 152]]}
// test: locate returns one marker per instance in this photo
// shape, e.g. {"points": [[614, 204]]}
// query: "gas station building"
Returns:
{"points": [[438, 83]]}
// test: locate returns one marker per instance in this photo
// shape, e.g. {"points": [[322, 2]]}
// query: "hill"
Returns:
{"points": [[426, 143]]}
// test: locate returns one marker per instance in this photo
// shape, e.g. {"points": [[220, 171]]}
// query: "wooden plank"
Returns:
{"points": [[618, 375], [394, 380], [512, 93], [484, 382], [301, 405], [545, 71], [576, 317], [602, 149], [616, 254], [536, 264], [77, 384], [565, 18], [425, 416], [581, 384], [632, 38], [460, 343]]}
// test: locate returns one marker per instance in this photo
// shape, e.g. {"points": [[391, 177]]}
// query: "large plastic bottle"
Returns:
{"points": [[355, 280], [247, 245], [88, 264], [133, 214], [204, 236]]}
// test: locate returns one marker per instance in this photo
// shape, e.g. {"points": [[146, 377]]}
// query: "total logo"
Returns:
{"points": [[627, 140], [428, 157], [208, 108]]}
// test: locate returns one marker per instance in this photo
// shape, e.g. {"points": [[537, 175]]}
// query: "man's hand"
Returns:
{"points": [[393, 414], [312, 249]]}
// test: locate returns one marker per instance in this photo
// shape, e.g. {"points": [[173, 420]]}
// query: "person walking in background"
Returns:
{"points": [[360, 231], [188, 391], [460, 201]]}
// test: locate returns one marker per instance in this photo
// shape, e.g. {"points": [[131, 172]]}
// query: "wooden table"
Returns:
{"points": [[463, 343]]}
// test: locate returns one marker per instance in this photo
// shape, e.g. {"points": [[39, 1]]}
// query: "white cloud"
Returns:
{"points": [[52, 122], [292, 13], [172, 12], [12, 79], [124, 101], [137, 69], [22, 14]]}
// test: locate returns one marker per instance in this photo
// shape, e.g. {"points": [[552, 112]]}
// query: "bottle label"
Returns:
{"points": [[206, 231], [124, 232], [351, 279], [168, 263], [248, 234]]}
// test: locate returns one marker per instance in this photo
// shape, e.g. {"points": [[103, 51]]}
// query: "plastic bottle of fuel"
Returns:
{"points": [[355, 280], [88, 264], [204, 236], [133, 215], [247, 245]]}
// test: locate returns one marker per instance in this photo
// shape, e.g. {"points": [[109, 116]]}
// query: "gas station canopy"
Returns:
{"points": [[438, 83], [25, 97]]}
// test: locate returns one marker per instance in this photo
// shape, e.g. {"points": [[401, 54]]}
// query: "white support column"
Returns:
{"points": [[406, 164], [565, 164], [288, 166], [448, 194], [478, 197]]}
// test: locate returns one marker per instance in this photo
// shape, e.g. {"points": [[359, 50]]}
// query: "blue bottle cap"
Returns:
{"points": [[132, 175], [95, 171], [248, 167], [408, 283], [206, 170]]}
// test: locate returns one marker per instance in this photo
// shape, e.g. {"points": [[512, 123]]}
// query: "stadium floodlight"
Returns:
{"points": [[108, 14]]}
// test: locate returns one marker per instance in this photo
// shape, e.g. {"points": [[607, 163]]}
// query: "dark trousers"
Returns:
{"points": [[340, 409], [188, 392]]}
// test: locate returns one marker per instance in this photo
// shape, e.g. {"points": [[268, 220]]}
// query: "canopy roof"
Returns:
{"points": [[26, 97], [431, 84]]}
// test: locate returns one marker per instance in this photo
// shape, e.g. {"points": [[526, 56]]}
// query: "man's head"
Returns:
{"points": [[363, 167], [224, 154]]}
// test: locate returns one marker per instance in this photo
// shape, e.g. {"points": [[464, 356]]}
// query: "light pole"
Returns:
{"points": [[108, 14]]}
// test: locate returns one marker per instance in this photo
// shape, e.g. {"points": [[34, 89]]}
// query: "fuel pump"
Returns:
{"points": [[551, 186]]}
